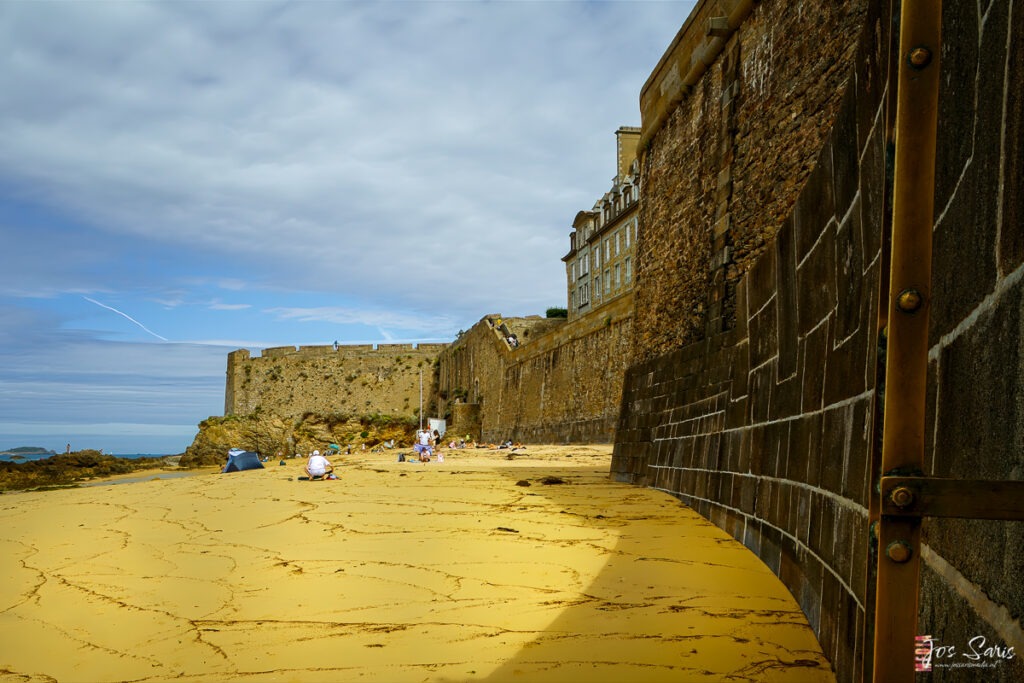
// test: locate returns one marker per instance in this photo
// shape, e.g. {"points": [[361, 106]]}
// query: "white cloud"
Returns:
{"points": [[345, 136], [218, 306], [346, 316]]}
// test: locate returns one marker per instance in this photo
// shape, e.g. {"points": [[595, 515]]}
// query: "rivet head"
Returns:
{"points": [[920, 57], [899, 551], [901, 496], [909, 300]]}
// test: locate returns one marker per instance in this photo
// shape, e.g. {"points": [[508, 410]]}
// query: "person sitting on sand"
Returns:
{"points": [[318, 466]]}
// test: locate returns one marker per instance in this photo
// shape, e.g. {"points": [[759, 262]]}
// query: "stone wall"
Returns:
{"points": [[561, 384], [971, 575], [729, 159], [350, 380], [768, 425]]}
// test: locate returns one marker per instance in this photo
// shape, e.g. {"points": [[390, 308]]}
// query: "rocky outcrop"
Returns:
{"points": [[274, 436]]}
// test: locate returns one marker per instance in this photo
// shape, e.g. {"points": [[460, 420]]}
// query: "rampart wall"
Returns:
{"points": [[733, 121], [350, 380], [765, 418], [562, 383]]}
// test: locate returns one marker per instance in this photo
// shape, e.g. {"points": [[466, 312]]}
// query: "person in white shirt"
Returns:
{"points": [[318, 466], [422, 445]]}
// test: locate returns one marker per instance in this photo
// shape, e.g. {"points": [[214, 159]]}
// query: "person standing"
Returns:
{"points": [[422, 445]]}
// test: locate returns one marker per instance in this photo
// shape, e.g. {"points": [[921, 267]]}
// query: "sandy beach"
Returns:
{"points": [[473, 569]]}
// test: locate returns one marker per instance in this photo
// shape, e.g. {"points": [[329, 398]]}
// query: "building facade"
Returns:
{"points": [[602, 245]]}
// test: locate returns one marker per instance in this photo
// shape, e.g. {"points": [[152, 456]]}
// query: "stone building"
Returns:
{"points": [[601, 260]]}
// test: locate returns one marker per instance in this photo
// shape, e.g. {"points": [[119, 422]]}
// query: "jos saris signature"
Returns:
{"points": [[979, 652]]}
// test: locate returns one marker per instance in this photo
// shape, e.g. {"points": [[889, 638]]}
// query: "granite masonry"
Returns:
{"points": [[759, 338]]}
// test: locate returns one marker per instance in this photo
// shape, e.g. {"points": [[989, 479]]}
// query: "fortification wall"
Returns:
{"points": [[726, 146], [353, 380], [768, 424], [561, 384]]}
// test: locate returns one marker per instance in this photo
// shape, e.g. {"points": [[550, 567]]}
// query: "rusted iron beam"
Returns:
{"points": [[962, 498], [903, 435]]}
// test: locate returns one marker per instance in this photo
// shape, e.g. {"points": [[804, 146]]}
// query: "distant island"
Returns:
{"points": [[26, 451]]}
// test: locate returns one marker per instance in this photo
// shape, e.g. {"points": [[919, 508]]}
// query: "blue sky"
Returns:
{"points": [[178, 180]]}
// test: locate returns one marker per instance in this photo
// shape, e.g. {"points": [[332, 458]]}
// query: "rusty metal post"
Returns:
{"points": [[899, 538]]}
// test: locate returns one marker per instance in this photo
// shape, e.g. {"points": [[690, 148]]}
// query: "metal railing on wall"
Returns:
{"points": [[905, 496]]}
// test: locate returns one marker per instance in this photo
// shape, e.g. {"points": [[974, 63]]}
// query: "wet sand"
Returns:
{"points": [[446, 572]]}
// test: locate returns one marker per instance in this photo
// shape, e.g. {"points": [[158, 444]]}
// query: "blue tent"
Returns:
{"points": [[239, 460]]}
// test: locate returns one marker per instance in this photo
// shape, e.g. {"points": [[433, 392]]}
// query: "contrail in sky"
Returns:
{"points": [[109, 308]]}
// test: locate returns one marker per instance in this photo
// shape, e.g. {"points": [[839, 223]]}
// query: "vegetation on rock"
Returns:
{"points": [[69, 468], [273, 436]]}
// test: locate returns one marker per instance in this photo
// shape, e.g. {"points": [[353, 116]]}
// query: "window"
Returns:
{"points": [[629, 229], [629, 270], [618, 241], [597, 286], [618, 279], [597, 259], [607, 248], [572, 272], [586, 264], [607, 281]]}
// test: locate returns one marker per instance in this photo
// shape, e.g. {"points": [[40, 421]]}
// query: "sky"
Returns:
{"points": [[182, 179]]}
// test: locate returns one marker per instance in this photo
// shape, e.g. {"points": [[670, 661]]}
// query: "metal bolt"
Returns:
{"points": [[909, 300], [901, 496], [899, 551], [920, 57]]}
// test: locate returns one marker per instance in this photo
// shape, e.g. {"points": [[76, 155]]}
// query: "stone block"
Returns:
{"points": [[1011, 245], [837, 424], [828, 633], [967, 171], [850, 274], [748, 494], [771, 552], [816, 288], [764, 343], [801, 517], [859, 556], [815, 349], [869, 79], [780, 504], [946, 615], [785, 299], [846, 366], [805, 449], [786, 398], [815, 208], [856, 473], [810, 596], [761, 384], [761, 281], [873, 173], [763, 503], [978, 435], [845, 154]]}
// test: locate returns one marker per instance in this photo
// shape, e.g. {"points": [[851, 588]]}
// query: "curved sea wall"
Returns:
{"points": [[762, 271]]}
